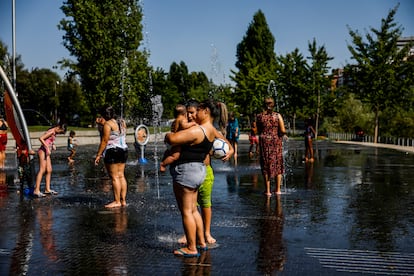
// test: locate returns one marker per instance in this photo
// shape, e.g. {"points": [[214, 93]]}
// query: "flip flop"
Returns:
{"points": [[51, 192], [202, 248], [40, 194], [181, 253]]}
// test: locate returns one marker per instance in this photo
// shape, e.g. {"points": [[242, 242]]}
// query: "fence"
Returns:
{"points": [[406, 142]]}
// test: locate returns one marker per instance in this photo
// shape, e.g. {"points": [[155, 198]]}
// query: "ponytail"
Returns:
{"points": [[223, 118]]}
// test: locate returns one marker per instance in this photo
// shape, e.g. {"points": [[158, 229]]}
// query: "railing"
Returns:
{"points": [[406, 142]]}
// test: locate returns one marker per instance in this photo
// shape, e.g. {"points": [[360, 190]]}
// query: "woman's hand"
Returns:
{"points": [[97, 159]]}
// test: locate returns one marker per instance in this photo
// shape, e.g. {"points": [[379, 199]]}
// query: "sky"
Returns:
{"points": [[205, 34]]}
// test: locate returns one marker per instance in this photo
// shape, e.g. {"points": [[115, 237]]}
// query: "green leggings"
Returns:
{"points": [[206, 188]]}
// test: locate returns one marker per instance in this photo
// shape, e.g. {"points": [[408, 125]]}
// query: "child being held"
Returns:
{"points": [[71, 146], [180, 122]]}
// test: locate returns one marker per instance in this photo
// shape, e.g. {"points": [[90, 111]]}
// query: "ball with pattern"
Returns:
{"points": [[220, 148]]}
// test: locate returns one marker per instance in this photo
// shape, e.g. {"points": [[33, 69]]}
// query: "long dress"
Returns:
{"points": [[270, 142]]}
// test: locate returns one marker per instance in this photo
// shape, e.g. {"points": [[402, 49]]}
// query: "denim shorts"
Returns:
{"points": [[190, 175]]}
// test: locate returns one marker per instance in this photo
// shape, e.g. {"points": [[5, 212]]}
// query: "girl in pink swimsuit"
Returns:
{"points": [[45, 163]]}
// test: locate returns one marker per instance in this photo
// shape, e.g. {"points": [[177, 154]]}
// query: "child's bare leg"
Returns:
{"points": [[174, 154]]}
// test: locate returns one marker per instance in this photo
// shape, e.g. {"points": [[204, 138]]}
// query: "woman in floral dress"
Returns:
{"points": [[271, 129]]}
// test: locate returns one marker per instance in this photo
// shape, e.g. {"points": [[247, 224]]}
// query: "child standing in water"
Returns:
{"points": [[180, 123], [253, 140], [72, 146]]}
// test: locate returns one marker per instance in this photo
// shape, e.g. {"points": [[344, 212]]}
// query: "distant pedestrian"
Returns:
{"points": [[47, 141], [233, 133], [271, 129], [309, 134], [72, 144]]}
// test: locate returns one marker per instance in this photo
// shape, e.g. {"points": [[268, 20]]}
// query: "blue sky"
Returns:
{"points": [[205, 34]]}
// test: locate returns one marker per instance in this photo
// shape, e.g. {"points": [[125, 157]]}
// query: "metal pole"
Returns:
{"points": [[14, 44], [17, 107]]}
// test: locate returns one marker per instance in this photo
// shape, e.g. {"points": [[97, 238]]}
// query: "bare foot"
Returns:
{"points": [[268, 194], [210, 239], [123, 203], [113, 205], [182, 240], [278, 192]]}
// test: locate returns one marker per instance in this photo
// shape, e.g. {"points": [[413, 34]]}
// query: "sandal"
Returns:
{"points": [[180, 252], [51, 192], [40, 194], [202, 248]]}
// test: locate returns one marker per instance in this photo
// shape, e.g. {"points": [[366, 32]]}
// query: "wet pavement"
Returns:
{"points": [[349, 212]]}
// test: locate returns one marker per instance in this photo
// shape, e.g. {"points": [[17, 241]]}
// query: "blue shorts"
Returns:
{"points": [[190, 175]]}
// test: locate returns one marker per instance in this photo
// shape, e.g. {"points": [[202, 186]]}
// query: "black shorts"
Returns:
{"points": [[116, 155]]}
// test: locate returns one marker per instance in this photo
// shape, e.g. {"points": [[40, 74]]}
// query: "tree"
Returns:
{"points": [[320, 82], [256, 64], [380, 74], [38, 91], [293, 84], [104, 37]]}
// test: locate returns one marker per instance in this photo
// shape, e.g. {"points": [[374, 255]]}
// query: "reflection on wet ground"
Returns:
{"points": [[351, 211]]}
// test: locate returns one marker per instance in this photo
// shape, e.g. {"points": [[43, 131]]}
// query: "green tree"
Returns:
{"points": [[104, 37], [293, 84], [256, 64], [199, 86], [72, 101], [320, 82], [380, 76], [179, 77]]}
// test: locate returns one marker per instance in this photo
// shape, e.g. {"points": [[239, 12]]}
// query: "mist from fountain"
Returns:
{"points": [[157, 110]]}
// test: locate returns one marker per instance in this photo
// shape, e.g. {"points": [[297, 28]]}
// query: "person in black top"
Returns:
{"points": [[189, 171]]}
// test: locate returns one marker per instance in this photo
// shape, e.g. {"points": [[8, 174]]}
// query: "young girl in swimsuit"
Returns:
{"points": [[45, 163]]}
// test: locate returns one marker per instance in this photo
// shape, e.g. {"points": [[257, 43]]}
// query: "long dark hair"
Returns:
{"points": [[108, 112]]}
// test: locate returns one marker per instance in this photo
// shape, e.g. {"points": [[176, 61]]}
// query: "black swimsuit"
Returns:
{"points": [[3, 126]]}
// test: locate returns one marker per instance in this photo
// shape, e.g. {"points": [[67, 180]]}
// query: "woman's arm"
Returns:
{"points": [[192, 135], [282, 126], [104, 141]]}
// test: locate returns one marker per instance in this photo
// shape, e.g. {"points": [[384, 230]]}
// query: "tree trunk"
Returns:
{"points": [[294, 123], [317, 114], [376, 125]]}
